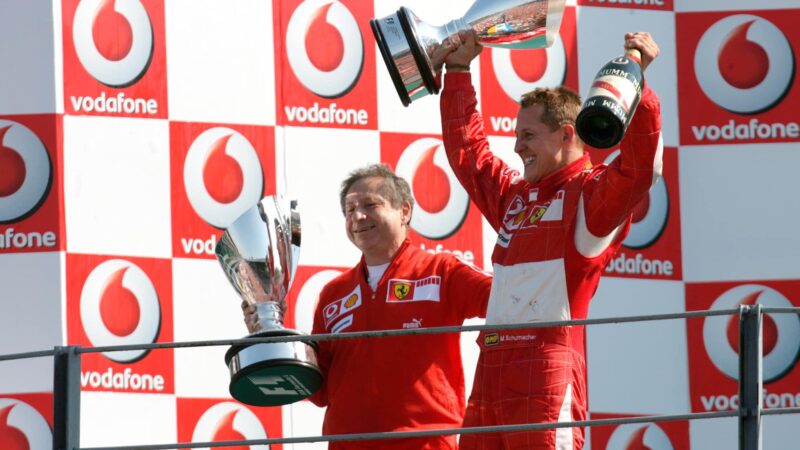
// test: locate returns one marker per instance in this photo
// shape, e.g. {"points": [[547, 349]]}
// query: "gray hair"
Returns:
{"points": [[395, 188]]}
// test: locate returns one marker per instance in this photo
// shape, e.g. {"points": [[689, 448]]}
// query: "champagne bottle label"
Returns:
{"points": [[611, 102], [619, 85]]}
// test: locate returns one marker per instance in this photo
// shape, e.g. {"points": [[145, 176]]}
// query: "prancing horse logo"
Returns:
{"points": [[401, 290]]}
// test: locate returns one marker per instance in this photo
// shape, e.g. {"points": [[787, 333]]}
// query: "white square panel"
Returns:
{"points": [[732, 5], [421, 116], [303, 419], [638, 367], [31, 311], [117, 186], [206, 307], [113, 419], [317, 161], [739, 212], [220, 65], [601, 33], [28, 83], [714, 433]]}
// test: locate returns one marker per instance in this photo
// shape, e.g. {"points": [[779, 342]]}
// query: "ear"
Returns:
{"points": [[568, 133], [406, 209]]}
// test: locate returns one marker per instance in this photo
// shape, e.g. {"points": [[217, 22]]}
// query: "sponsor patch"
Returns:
{"points": [[342, 324], [342, 306], [515, 213], [425, 289]]}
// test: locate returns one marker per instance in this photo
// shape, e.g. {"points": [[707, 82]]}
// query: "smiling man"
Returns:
{"points": [[558, 225], [399, 383]]}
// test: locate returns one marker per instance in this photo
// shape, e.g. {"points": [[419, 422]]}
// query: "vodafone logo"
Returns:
{"points": [[119, 306], [324, 47], [443, 208], [744, 64], [639, 437], [519, 72], [781, 332], [25, 171], [229, 422], [222, 176], [22, 427], [307, 299], [649, 216], [113, 40]]}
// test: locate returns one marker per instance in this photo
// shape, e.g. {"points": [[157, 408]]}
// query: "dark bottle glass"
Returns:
{"points": [[611, 101]]}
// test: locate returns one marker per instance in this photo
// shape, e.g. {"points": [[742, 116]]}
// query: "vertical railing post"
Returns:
{"points": [[750, 377], [66, 398]]}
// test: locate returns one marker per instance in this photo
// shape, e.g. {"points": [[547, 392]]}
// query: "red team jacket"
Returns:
{"points": [[397, 383]]}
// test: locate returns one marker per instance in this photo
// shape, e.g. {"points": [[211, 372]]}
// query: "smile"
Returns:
{"points": [[361, 230]]}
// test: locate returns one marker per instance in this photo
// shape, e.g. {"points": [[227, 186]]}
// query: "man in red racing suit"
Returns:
{"points": [[399, 383], [558, 226]]}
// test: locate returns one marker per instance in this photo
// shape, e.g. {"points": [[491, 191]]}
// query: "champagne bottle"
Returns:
{"points": [[611, 101]]}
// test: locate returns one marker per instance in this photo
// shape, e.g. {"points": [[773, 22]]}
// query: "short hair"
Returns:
{"points": [[395, 188], [561, 105]]}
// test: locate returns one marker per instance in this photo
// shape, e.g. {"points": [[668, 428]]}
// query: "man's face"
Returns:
{"points": [[373, 224], [538, 146]]}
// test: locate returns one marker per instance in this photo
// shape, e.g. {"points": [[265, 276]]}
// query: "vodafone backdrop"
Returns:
{"points": [[133, 131]]}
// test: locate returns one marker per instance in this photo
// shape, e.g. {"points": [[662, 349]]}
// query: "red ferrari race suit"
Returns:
{"points": [[554, 240], [398, 383]]}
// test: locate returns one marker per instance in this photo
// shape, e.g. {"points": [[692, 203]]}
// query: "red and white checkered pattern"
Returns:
{"points": [[106, 107]]}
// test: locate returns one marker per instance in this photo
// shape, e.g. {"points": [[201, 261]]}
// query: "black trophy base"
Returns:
{"points": [[273, 374]]}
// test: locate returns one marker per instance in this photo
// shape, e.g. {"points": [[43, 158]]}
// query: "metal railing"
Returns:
{"points": [[67, 371]]}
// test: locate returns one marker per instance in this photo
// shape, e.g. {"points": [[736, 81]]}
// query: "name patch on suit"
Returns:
{"points": [[425, 289]]}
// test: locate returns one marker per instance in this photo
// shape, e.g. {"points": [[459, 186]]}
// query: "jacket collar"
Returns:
{"points": [[560, 176]]}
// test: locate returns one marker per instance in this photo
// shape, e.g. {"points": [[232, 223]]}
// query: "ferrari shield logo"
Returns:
{"points": [[401, 290]]}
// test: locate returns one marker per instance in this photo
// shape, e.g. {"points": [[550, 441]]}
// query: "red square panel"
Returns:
{"points": [[735, 76], [714, 344], [115, 58], [654, 436], [652, 249], [214, 420], [26, 421], [658, 5], [444, 219], [121, 301], [218, 172], [30, 184], [327, 59], [507, 74]]}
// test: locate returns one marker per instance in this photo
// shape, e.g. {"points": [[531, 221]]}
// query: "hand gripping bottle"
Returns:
{"points": [[611, 101]]}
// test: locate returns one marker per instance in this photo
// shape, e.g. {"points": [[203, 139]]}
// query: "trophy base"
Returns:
{"points": [[273, 374], [407, 62]]}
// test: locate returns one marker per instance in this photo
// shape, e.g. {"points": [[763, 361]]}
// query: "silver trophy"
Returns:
{"points": [[413, 50], [259, 253]]}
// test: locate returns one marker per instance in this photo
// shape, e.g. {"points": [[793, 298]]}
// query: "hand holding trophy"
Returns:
{"points": [[259, 253], [411, 48]]}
